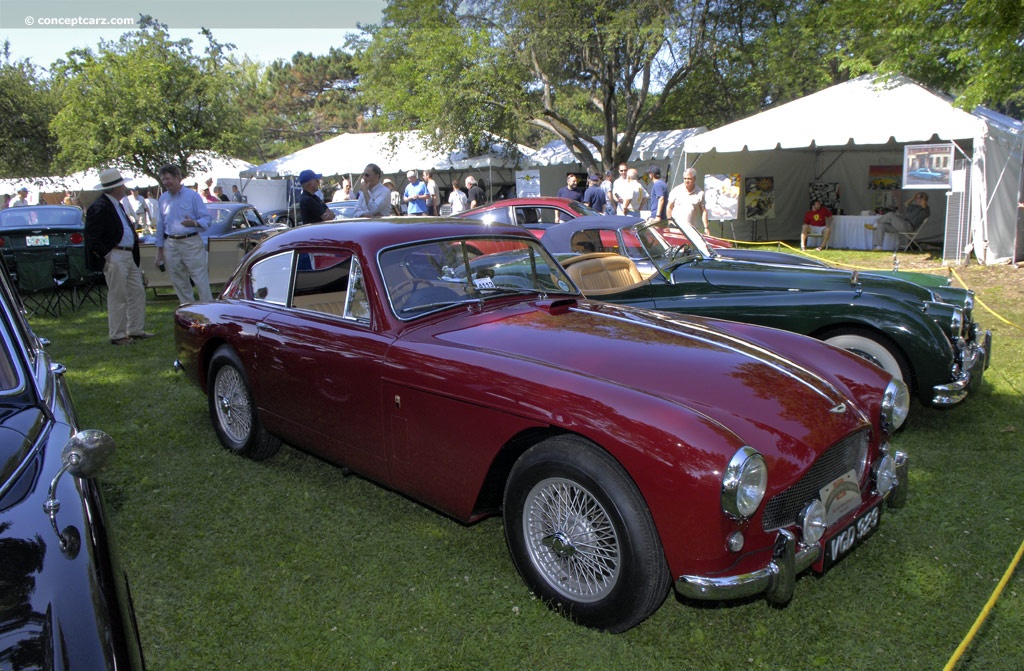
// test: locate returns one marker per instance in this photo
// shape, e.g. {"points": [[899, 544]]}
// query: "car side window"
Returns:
{"points": [[331, 283], [239, 222], [251, 218], [270, 279]]}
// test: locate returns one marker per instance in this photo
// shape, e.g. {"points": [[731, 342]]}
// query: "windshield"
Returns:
{"points": [[668, 244], [429, 276]]}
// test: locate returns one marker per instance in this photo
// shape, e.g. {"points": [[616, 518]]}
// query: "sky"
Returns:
{"points": [[265, 30]]}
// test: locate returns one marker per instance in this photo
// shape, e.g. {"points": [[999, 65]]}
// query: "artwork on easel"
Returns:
{"points": [[826, 192], [760, 197], [722, 196]]}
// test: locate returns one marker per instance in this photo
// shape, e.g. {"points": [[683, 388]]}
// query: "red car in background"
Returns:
{"points": [[539, 214]]}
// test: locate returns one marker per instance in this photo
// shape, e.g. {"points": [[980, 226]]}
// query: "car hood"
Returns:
{"points": [[738, 275], [767, 401]]}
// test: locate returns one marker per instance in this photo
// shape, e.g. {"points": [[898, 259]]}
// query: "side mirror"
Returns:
{"points": [[84, 456]]}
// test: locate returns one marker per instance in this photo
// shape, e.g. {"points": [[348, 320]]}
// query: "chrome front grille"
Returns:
{"points": [[782, 509]]}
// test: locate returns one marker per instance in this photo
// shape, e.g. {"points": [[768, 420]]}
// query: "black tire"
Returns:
{"points": [[233, 410], [598, 559]]}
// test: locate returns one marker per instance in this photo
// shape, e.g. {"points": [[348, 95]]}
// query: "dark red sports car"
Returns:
{"points": [[627, 450]]}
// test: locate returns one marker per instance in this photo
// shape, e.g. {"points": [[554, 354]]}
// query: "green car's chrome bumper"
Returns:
{"points": [[976, 359]]}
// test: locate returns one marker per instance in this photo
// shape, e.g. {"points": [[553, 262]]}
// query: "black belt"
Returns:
{"points": [[125, 249], [180, 237]]}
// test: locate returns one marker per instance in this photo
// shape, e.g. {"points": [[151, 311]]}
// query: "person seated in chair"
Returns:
{"points": [[907, 220], [819, 219]]}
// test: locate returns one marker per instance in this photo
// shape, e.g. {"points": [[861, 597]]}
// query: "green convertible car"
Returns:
{"points": [[924, 334]]}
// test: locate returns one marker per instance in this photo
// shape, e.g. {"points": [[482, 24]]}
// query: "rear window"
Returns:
{"points": [[41, 217]]}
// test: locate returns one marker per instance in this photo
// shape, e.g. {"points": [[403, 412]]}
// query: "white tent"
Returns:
{"points": [[87, 180], [835, 135], [395, 153], [650, 146], [661, 148]]}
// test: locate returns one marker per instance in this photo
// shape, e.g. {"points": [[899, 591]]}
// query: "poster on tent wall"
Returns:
{"points": [[884, 177], [528, 183], [928, 166], [760, 197], [722, 196], [825, 192]]}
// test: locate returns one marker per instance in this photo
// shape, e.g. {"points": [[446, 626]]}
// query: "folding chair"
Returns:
{"points": [[908, 240], [86, 285], [34, 274]]}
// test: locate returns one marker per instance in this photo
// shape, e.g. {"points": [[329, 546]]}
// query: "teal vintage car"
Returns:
{"points": [[926, 335]]}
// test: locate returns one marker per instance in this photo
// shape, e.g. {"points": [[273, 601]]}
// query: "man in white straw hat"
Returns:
{"points": [[113, 247]]}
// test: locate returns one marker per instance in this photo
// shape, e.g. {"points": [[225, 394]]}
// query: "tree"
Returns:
{"points": [[586, 72], [142, 102], [27, 106]]}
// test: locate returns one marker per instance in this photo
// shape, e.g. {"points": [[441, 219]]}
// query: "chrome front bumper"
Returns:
{"points": [[777, 580], [976, 359]]}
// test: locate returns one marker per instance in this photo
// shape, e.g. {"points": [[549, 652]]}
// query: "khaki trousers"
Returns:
{"points": [[126, 296], [187, 259]]}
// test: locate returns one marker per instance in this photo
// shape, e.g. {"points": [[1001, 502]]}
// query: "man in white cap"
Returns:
{"points": [[21, 200], [112, 246]]}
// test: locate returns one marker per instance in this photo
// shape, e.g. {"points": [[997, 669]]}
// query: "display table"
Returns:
{"points": [[848, 232]]}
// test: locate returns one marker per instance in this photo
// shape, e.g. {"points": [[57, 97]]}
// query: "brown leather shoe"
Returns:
{"points": [[140, 336], [122, 341]]}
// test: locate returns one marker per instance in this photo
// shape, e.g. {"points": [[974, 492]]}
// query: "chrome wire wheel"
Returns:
{"points": [[232, 405], [571, 540]]}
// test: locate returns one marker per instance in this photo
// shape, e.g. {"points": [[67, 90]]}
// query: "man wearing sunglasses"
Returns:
{"points": [[374, 197]]}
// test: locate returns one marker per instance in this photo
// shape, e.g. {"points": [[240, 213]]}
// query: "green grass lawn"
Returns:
{"points": [[290, 564]]}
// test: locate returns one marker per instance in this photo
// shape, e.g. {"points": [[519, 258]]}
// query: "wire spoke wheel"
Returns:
{"points": [[571, 540], [232, 405]]}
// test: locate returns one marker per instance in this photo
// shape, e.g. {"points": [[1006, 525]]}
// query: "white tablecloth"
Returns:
{"points": [[848, 232]]}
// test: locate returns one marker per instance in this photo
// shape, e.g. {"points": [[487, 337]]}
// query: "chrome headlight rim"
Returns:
{"points": [[744, 483], [895, 405], [812, 523]]}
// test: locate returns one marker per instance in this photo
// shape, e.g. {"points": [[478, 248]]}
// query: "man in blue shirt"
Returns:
{"points": [[417, 196], [659, 194], [569, 190], [595, 197], [181, 218]]}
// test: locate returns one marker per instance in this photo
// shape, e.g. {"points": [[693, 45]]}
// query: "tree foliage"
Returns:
{"points": [[26, 108], [586, 72], [142, 102]]}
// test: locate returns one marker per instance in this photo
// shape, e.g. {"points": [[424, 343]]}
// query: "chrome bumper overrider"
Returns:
{"points": [[778, 579], [975, 361]]}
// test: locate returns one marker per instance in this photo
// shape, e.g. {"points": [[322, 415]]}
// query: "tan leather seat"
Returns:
{"points": [[602, 273]]}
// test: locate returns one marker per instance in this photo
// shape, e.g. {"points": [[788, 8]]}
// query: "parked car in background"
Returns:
{"points": [[286, 216], [486, 384], [925, 336], [43, 244], [343, 209], [233, 220], [235, 228], [540, 214], [65, 601], [618, 234]]}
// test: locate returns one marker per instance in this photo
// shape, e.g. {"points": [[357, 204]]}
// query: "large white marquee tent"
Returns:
{"points": [[835, 135]]}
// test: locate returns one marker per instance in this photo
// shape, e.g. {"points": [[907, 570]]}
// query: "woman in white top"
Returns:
{"points": [[458, 199]]}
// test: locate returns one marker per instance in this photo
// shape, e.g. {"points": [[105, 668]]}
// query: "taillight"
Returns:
{"points": [[76, 238], [3, 242]]}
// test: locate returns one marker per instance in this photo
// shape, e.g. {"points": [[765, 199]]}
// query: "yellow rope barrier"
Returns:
{"points": [[985, 611], [958, 654]]}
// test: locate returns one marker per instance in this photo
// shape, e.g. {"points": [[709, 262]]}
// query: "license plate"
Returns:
{"points": [[37, 240], [839, 545]]}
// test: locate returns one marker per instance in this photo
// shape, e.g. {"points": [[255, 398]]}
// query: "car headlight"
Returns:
{"points": [[744, 483], [895, 405]]}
